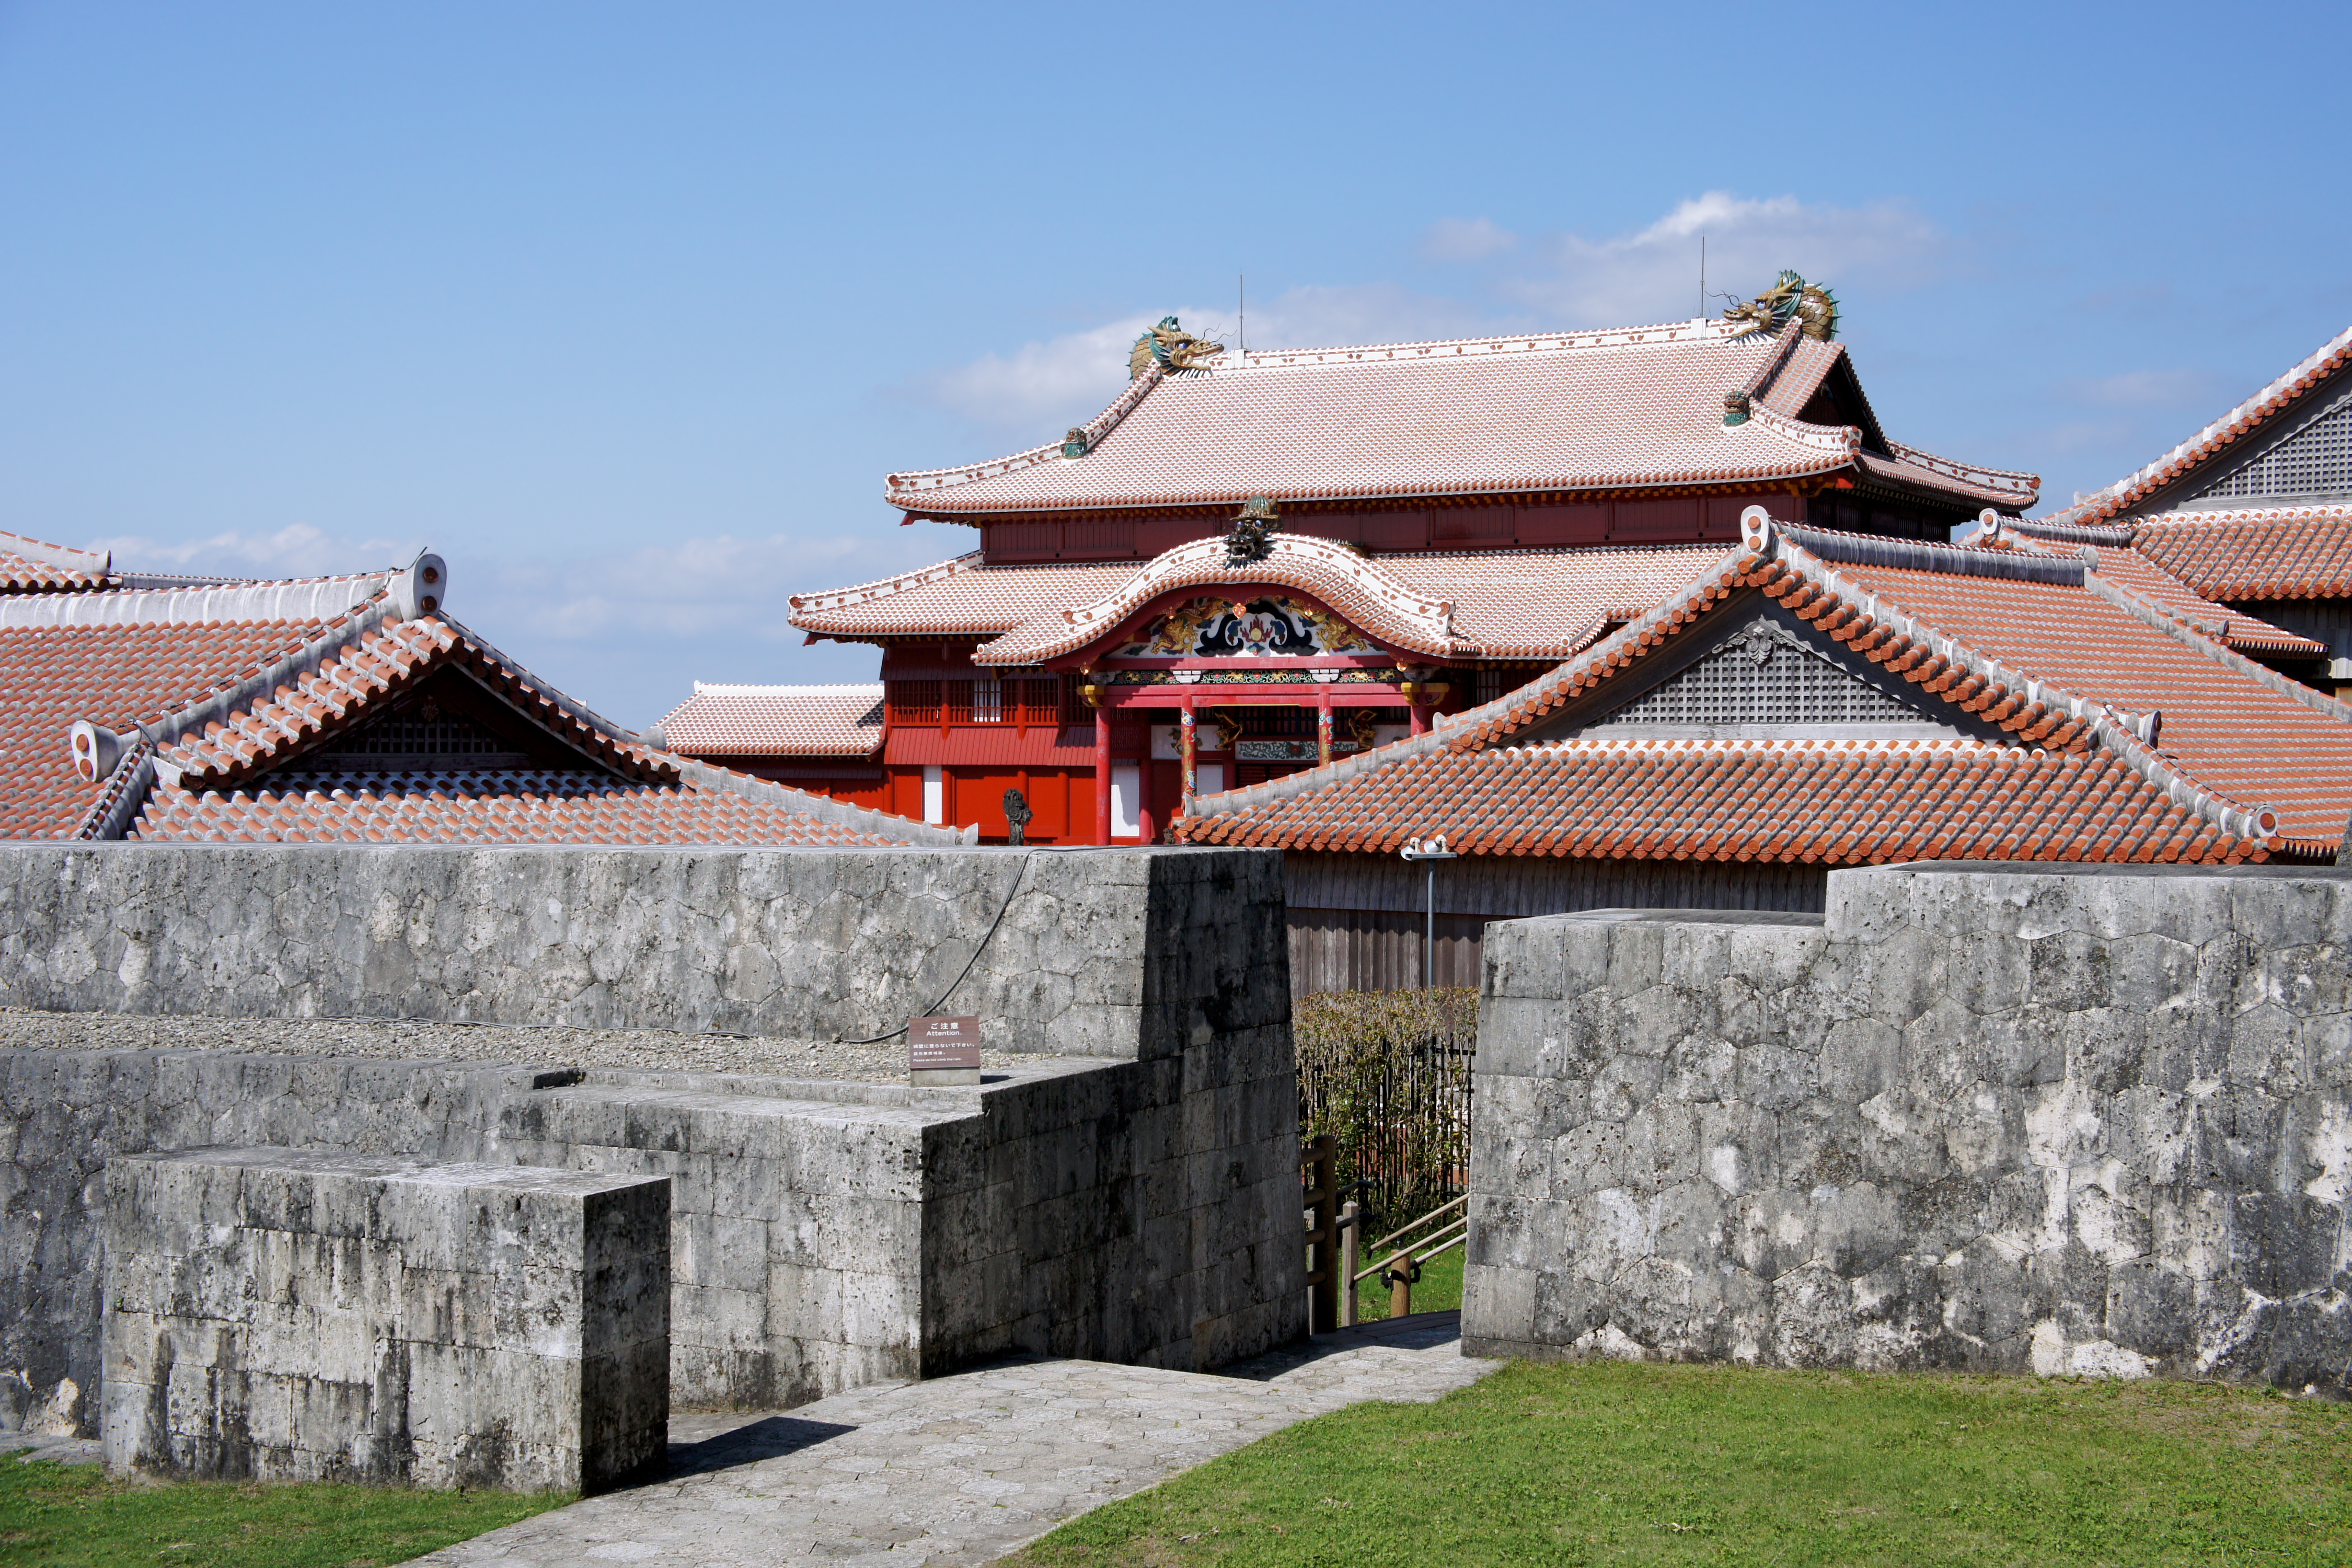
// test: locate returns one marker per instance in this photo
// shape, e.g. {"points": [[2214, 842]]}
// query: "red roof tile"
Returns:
{"points": [[36, 566], [117, 676], [2132, 569], [383, 661], [1625, 409], [218, 721], [1505, 603], [2277, 552], [776, 722], [1825, 802], [2244, 764], [488, 807]]}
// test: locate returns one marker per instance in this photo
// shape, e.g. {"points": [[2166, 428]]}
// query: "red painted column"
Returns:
{"points": [[1323, 725], [1187, 749], [1102, 774], [1414, 706]]}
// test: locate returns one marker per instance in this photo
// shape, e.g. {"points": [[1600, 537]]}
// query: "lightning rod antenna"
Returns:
{"points": [[1702, 277], [1241, 308]]}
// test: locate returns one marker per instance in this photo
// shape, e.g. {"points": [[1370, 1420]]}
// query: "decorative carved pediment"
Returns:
{"points": [[1232, 628]]}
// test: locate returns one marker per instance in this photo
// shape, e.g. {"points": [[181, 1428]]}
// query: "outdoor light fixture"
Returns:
{"points": [[1430, 850]]}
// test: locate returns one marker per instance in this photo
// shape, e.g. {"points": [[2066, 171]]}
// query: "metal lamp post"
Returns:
{"points": [[1430, 853]]}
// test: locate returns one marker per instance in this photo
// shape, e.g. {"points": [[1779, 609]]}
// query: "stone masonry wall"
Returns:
{"points": [[1974, 1117], [1137, 1204], [278, 1315], [799, 943]]}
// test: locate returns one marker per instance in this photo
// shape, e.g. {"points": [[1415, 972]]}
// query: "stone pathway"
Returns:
{"points": [[958, 1470], [64, 1450]]}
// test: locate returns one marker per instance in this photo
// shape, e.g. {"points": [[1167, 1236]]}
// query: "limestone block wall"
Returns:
{"points": [[1133, 1195], [799, 943], [1973, 1116], [273, 1314]]}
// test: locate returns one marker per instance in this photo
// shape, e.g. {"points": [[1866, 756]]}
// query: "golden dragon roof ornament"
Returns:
{"points": [[1171, 346], [1811, 305]]}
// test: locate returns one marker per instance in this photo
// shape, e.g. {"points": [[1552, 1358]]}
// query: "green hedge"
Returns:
{"points": [[1387, 1075]]}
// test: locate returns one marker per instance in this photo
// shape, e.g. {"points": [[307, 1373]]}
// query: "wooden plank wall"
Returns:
{"points": [[1356, 920]]}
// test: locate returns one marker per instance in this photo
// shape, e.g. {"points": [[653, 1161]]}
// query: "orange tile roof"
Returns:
{"points": [[1504, 604], [216, 717], [1625, 409], [2224, 725], [2270, 553], [2243, 764], [1818, 803], [485, 807], [2217, 441], [119, 675], [776, 722], [36, 566], [2134, 570], [349, 684], [961, 598]]}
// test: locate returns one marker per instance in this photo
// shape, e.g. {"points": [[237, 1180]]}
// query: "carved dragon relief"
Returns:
{"points": [[1170, 347], [1812, 306]]}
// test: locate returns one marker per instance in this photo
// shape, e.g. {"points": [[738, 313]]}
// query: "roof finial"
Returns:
{"points": [[1171, 346], [1811, 305]]}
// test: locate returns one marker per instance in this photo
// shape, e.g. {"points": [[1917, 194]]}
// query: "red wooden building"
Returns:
{"points": [[1250, 564]]}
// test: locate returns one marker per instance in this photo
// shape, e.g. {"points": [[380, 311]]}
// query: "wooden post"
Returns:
{"points": [[1102, 771], [1323, 725], [1187, 750], [1351, 1255], [1323, 1272], [1402, 1268]]}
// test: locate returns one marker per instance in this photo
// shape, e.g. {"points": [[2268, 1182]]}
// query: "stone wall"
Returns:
{"points": [[1131, 1195], [278, 1315], [1974, 1117], [800, 944]]}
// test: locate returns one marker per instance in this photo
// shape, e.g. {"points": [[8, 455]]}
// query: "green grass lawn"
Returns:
{"points": [[1612, 1463], [54, 1515]]}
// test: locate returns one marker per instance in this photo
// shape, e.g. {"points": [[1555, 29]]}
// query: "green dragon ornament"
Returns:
{"points": [[1172, 348], [1812, 306]]}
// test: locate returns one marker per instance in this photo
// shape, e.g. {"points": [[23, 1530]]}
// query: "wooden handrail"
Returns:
{"points": [[1446, 1240], [1416, 1225]]}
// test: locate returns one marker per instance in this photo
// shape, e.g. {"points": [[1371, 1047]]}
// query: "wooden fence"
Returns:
{"points": [[1386, 1076]]}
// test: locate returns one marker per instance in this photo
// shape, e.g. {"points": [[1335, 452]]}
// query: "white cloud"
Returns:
{"points": [[1032, 393], [297, 550], [1465, 239], [1029, 395], [1651, 274], [1037, 385], [689, 588]]}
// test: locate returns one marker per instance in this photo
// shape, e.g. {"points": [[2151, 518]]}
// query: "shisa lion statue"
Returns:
{"points": [[1173, 349], [1812, 307]]}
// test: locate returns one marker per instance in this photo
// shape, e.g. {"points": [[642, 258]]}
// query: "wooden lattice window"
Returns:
{"points": [[914, 701], [1041, 700]]}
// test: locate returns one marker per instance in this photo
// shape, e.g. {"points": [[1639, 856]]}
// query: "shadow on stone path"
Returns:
{"points": [[961, 1469]]}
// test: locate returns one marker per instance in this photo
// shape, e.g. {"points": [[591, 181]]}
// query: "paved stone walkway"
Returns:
{"points": [[64, 1450], [961, 1469]]}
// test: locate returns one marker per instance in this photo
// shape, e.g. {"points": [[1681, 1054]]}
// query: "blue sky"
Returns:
{"points": [[628, 309]]}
